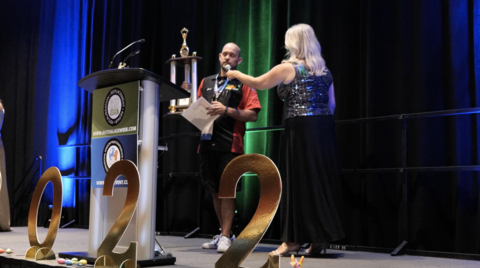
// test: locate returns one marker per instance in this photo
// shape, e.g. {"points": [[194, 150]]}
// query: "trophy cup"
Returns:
{"points": [[190, 67], [184, 49]]}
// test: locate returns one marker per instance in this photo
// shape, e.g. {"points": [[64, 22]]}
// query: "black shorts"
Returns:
{"points": [[212, 164]]}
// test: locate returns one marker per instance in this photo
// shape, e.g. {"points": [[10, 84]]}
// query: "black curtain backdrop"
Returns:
{"points": [[387, 58]]}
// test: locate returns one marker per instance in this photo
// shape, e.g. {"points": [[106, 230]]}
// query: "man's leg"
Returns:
{"points": [[225, 209], [217, 203], [227, 215], [208, 169]]}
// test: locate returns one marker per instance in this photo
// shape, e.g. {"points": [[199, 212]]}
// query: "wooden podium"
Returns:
{"points": [[151, 89]]}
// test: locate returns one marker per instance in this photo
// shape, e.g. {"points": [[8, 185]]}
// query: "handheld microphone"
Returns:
{"points": [[227, 67], [138, 41], [123, 64]]}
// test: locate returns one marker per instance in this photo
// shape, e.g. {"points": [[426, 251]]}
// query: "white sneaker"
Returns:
{"points": [[223, 244], [212, 244]]}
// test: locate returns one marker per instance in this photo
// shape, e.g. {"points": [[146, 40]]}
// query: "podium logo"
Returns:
{"points": [[114, 106], [112, 152]]}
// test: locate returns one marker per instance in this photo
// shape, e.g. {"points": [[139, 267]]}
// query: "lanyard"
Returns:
{"points": [[217, 90]]}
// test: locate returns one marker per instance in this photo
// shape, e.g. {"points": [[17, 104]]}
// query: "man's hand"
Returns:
{"points": [[186, 86], [216, 109]]}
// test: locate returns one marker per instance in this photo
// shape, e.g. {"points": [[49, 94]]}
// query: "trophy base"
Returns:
{"points": [[181, 110], [172, 109]]}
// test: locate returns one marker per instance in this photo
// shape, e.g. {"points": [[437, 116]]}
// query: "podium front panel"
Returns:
{"points": [[148, 89]]}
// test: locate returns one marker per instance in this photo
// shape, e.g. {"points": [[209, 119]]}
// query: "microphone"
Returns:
{"points": [[122, 64], [138, 41], [227, 67]]}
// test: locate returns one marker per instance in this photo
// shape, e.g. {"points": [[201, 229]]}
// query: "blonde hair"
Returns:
{"points": [[304, 48]]}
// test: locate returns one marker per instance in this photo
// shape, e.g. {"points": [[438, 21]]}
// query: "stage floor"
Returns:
{"points": [[188, 253]]}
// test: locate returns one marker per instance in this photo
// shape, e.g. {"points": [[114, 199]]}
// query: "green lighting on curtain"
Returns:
{"points": [[250, 25]]}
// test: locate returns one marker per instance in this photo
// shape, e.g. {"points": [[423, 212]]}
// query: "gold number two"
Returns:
{"points": [[270, 193], [107, 258]]}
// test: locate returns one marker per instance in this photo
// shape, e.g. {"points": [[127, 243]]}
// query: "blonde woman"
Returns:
{"points": [[311, 180]]}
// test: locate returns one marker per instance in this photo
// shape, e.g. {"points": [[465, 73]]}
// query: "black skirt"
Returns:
{"points": [[311, 192]]}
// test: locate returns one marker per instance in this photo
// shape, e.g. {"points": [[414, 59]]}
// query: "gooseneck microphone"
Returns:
{"points": [[138, 41], [123, 63]]}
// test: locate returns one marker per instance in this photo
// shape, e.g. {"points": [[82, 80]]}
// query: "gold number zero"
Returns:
{"points": [[37, 250]]}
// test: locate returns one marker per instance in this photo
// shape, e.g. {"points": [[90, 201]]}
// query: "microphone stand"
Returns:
{"points": [[138, 41]]}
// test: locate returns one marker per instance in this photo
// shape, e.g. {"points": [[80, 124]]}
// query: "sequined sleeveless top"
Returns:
{"points": [[306, 95]]}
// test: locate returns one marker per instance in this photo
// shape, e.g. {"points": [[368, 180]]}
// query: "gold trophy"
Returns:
{"points": [[190, 64], [184, 49]]}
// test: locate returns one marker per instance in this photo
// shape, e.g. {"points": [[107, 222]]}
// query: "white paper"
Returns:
{"points": [[197, 115]]}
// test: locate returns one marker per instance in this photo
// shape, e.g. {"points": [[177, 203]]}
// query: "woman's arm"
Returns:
{"points": [[282, 73], [331, 100]]}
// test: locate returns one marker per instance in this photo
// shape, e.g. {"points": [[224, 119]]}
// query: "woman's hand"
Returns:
{"points": [[233, 74]]}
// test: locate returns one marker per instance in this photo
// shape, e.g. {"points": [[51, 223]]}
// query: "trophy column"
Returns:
{"points": [[190, 74]]}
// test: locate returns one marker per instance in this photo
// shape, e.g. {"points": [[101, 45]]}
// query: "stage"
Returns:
{"points": [[188, 253]]}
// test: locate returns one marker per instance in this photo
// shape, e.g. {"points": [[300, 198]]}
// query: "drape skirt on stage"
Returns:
{"points": [[311, 193]]}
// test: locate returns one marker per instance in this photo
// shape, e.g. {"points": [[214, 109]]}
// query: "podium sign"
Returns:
{"points": [[114, 129], [115, 110]]}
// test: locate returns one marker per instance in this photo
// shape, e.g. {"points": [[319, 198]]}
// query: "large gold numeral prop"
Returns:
{"points": [[4, 205], [270, 192], [128, 259], [37, 250]]}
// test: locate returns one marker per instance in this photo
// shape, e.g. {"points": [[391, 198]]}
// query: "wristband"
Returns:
{"points": [[226, 109]]}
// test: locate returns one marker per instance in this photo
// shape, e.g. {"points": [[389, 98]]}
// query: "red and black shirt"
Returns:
{"points": [[228, 133]]}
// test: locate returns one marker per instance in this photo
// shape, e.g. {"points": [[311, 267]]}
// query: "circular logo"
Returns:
{"points": [[112, 152], [114, 106]]}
